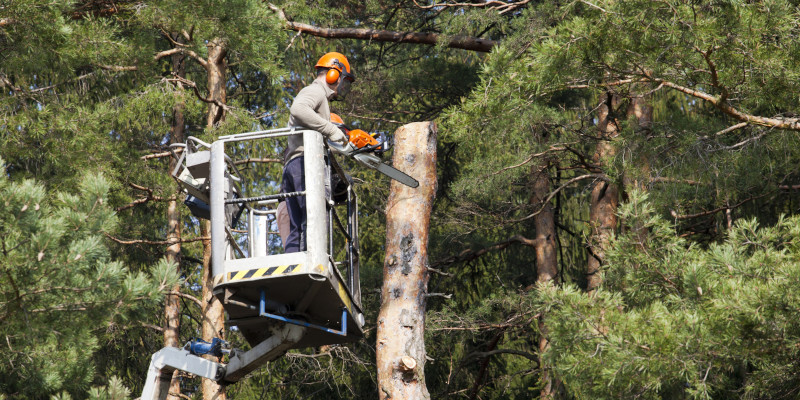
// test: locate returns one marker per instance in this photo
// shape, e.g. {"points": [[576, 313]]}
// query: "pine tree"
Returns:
{"points": [[61, 289]]}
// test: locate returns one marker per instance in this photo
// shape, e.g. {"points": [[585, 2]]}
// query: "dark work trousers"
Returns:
{"points": [[294, 181]]}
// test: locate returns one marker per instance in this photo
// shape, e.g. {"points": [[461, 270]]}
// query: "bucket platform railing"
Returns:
{"points": [[276, 301]]}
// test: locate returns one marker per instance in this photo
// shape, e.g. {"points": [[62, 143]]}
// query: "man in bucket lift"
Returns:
{"points": [[338, 190], [311, 110]]}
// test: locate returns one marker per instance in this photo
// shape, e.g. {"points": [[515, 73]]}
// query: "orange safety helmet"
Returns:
{"points": [[339, 122], [337, 65]]}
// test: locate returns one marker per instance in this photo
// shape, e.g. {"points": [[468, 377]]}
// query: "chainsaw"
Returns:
{"points": [[367, 149]]}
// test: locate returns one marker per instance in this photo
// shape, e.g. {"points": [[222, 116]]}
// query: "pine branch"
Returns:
{"points": [[187, 52], [193, 85], [529, 159], [117, 68], [483, 354], [716, 210], [195, 300], [501, 7], [258, 160], [156, 242], [143, 200], [161, 154], [552, 194], [469, 255], [662, 179], [151, 326], [718, 102], [430, 38]]}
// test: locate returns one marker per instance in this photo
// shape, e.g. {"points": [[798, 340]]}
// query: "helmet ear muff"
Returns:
{"points": [[332, 76]]}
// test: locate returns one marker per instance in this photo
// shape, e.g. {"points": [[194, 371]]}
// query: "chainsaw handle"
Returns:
{"points": [[347, 149]]}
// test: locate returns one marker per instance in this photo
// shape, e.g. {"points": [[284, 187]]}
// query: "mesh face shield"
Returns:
{"points": [[343, 89]]}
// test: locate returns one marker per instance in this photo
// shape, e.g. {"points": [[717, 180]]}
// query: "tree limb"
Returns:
{"points": [[529, 159], [161, 154], [552, 194], [501, 7], [156, 242], [718, 102], [258, 160], [483, 354], [187, 296], [780, 123], [187, 52], [716, 210], [153, 327], [118, 68], [430, 38], [469, 255], [193, 85]]}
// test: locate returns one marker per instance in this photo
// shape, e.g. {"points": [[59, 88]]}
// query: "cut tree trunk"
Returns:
{"points": [[172, 311], [400, 348], [213, 313], [605, 195]]}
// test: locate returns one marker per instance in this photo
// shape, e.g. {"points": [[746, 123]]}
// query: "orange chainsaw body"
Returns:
{"points": [[361, 138]]}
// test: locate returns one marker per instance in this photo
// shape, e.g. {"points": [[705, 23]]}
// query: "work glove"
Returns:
{"points": [[339, 137]]}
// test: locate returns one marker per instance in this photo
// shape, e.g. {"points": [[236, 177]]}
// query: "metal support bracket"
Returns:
{"points": [[167, 360], [262, 312]]}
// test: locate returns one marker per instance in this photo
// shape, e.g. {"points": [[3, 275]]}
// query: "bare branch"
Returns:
{"points": [[501, 7], [193, 85], [716, 210], [142, 200], [258, 160], [483, 354], [446, 296], [552, 194], [161, 154], [430, 38], [178, 293], [780, 123], [469, 255], [187, 52], [552, 148], [118, 68], [731, 128], [153, 327], [588, 86], [718, 102], [662, 179], [156, 242]]}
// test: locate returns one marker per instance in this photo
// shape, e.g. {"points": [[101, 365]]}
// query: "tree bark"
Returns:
{"points": [[641, 109], [546, 259], [378, 35], [545, 225], [213, 313], [172, 311], [400, 348], [216, 69], [605, 195]]}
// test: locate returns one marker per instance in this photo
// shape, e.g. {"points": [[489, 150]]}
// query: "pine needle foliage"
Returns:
{"points": [[677, 320], [61, 289]]}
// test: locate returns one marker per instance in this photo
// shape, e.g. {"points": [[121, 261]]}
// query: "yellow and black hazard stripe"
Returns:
{"points": [[261, 272]]}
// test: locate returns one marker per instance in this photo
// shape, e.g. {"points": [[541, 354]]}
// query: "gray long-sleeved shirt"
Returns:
{"points": [[310, 110]]}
